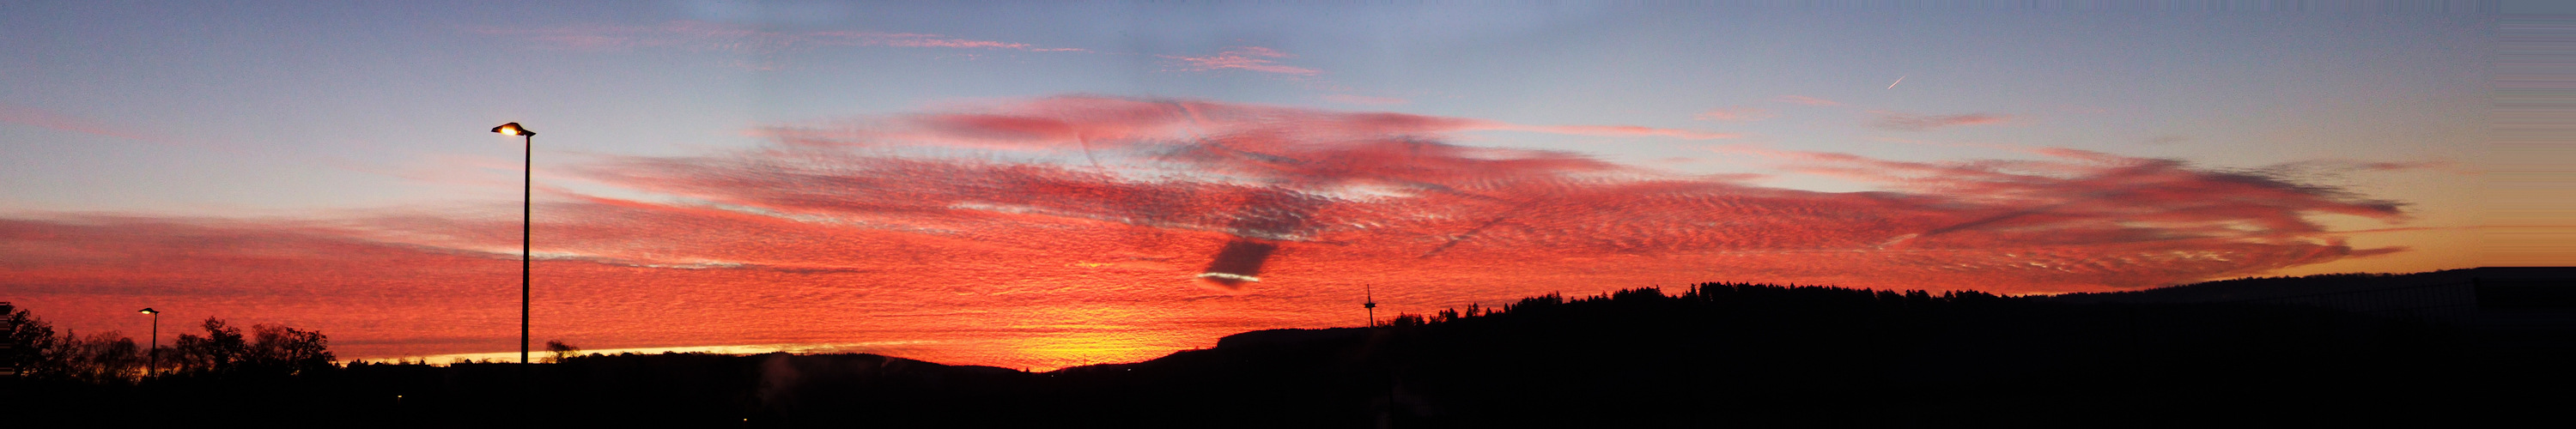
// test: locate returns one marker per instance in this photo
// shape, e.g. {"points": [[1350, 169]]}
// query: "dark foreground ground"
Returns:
{"points": [[1710, 355]]}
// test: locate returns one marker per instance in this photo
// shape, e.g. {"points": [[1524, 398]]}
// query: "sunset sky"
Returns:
{"points": [[1035, 185]]}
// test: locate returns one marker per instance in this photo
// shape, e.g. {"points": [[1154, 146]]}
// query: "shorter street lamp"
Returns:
{"points": [[151, 355]]}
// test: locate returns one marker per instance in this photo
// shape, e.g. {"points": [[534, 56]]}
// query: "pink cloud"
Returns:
{"points": [[1096, 122], [1253, 58], [61, 122], [1365, 100], [1735, 114], [1608, 130], [1806, 100], [1912, 122]]}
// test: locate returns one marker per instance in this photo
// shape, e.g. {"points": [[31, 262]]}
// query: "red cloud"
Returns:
{"points": [[1913, 122], [1252, 58], [1103, 240]]}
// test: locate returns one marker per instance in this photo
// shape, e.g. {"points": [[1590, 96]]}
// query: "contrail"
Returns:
{"points": [[1899, 79]]}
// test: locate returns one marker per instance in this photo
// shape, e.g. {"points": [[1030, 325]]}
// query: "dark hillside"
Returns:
{"points": [[1739, 353], [1712, 354]]}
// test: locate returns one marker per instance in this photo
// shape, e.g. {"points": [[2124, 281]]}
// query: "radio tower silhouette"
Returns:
{"points": [[1371, 304]]}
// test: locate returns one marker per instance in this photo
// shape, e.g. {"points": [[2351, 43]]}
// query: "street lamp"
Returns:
{"points": [[527, 205], [152, 356]]}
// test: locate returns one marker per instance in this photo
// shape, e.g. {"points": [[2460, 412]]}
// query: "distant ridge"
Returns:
{"points": [[2486, 296], [1712, 354]]}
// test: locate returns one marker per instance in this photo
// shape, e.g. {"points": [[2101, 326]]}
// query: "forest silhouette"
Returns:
{"points": [[1701, 355]]}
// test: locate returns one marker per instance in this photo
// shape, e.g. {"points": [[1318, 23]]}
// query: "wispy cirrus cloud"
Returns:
{"points": [[1912, 122], [708, 36], [1249, 58], [1735, 114], [1806, 100], [61, 122], [1033, 223], [1364, 100]]}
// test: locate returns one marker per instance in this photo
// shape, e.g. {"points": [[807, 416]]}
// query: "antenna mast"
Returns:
{"points": [[1371, 304]]}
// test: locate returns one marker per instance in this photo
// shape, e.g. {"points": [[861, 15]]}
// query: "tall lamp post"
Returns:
{"points": [[527, 205], [152, 356]]}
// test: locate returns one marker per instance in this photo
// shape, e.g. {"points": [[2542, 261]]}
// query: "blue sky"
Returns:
{"points": [[387, 84]]}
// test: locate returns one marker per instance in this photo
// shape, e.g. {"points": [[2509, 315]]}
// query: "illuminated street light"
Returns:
{"points": [[527, 206], [152, 356]]}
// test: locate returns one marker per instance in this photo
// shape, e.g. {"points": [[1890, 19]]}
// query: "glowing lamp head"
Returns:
{"points": [[513, 129], [149, 311]]}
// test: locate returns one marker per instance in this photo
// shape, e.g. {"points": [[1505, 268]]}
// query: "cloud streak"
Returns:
{"points": [[714, 37], [1097, 123], [1364, 100], [1912, 122], [1735, 114], [1806, 100], [1248, 58]]}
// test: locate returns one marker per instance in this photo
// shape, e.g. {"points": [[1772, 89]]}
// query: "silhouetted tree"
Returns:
{"points": [[268, 350], [28, 337], [105, 357], [560, 350], [220, 350], [284, 350]]}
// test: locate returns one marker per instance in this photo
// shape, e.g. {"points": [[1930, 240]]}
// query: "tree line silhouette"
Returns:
{"points": [[1706, 354], [223, 350]]}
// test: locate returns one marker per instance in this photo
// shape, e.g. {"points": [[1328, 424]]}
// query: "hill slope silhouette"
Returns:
{"points": [[1710, 354]]}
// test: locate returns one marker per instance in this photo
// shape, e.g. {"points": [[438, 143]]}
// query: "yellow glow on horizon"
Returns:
{"points": [[745, 349]]}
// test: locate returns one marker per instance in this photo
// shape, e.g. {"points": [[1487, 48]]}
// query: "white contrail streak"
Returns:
{"points": [[1899, 79]]}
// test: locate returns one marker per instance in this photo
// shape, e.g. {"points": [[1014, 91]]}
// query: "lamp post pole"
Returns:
{"points": [[527, 208], [527, 217], [152, 356]]}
